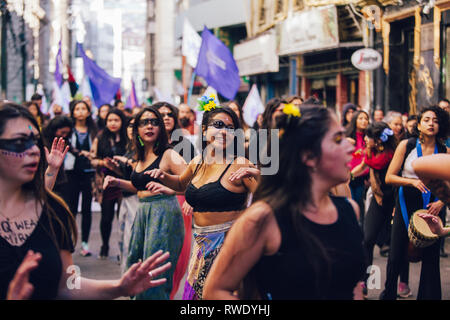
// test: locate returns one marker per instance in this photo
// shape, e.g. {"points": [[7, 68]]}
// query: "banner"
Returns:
{"points": [[217, 66]]}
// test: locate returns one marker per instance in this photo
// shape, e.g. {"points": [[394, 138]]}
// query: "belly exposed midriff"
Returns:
{"points": [[203, 219]]}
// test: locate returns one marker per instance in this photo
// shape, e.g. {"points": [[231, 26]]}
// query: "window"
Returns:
{"points": [[262, 13]]}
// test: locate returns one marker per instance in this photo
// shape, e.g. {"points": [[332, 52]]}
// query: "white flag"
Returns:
{"points": [[44, 105], [62, 96], [253, 106], [191, 44]]}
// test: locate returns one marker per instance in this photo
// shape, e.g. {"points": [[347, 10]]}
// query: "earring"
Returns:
{"points": [[140, 141], [380, 148]]}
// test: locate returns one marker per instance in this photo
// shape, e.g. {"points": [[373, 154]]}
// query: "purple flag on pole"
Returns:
{"points": [[217, 66], [58, 75], [132, 100], [103, 86]]}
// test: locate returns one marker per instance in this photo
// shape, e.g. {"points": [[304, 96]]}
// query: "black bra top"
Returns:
{"points": [[213, 197], [140, 180]]}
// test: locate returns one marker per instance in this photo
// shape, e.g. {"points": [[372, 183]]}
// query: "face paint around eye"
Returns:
{"points": [[18, 145]]}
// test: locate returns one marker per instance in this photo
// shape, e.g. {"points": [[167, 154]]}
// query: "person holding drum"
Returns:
{"points": [[414, 195]]}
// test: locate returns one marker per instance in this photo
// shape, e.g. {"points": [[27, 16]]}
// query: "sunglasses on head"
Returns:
{"points": [[145, 122], [19, 145], [219, 124]]}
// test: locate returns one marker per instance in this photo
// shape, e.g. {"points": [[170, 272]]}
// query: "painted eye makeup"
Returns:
{"points": [[19, 145]]}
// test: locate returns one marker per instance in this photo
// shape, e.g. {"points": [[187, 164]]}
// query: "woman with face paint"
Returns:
{"points": [[37, 230], [217, 196]]}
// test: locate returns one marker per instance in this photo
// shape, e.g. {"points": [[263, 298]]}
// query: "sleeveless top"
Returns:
{"points": [[411, 155], [140, 180], [289, 274], [213, 197]]}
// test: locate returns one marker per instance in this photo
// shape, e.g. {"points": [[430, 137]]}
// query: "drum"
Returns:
{"points": [[419, 233]]}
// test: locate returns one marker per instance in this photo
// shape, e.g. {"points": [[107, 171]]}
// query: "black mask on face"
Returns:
{"points": [[19, 145], [185, 122]]}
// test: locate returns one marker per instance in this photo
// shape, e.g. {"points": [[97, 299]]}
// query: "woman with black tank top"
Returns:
{"points": [[185, 148], [158, 224], [79, 170], [296, 241], [414, 195], [111, 142], [216, 200]]}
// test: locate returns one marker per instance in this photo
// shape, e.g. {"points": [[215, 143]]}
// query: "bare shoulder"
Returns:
{"points": [[256, 217]]}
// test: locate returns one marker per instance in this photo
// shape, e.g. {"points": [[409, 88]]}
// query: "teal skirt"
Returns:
{"points": [[158, 225]]}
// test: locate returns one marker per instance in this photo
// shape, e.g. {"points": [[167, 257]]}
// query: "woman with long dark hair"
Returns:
{"points": [[111, 142], [78, 168], [296, 241], [413, 195], [36, 260], [380, 147], [158, 223], [101, 115], [216, 201], [185, 148], [356, 130], [59, 127]]}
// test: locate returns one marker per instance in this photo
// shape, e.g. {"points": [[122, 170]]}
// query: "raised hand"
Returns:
{"points": [[155, 173], [20, 287], [158, 188], [242, 173], [109, 182], [57, 154], [142, 275]]}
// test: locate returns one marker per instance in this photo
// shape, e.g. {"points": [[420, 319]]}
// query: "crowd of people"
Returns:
{"points": [[345, 184]]}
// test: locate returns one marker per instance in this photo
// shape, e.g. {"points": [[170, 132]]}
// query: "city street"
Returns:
{"points": [[93, 268]]}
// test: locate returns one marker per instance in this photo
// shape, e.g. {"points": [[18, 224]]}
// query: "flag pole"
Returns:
{"points": [[191, 86]]}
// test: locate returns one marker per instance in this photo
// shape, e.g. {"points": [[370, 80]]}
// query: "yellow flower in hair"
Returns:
{"points": [[209, 106], [292, 110]]}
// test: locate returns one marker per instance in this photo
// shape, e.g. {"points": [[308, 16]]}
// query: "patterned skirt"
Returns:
{"points": [[158, 225], [207, 243]]}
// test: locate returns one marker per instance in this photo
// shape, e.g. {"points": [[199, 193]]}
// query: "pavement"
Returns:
{"points": [[93, 268]]}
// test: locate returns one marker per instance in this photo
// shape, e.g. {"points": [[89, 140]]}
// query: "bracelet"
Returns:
{"points": [[352, 177]]}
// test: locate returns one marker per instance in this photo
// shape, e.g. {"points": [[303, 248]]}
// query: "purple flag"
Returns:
{"points": [[132, 100], [217, 66], [58, 75], [103, 86]]}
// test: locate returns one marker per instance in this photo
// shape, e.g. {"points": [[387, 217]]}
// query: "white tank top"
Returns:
{"points": [[408, 171]]}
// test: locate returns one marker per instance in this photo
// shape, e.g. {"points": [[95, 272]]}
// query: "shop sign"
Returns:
{"points": [[257, 55], [310, 30], [366, 59]]}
